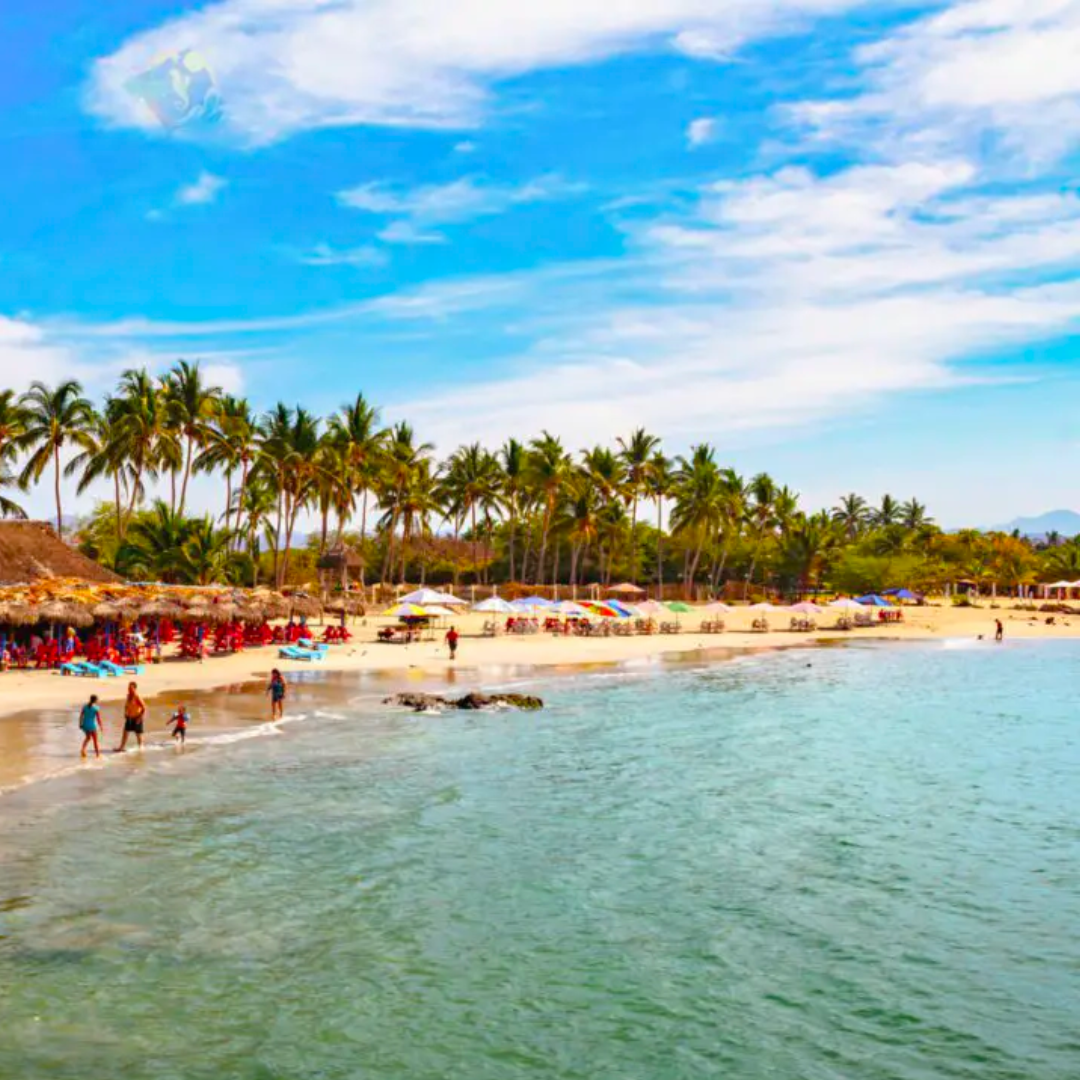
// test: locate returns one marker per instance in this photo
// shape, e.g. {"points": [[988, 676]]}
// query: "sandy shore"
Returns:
{"points": [[38, 709]]}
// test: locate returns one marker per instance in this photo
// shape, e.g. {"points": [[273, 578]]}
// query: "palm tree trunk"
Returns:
{"points": [[633, 540], [528, 552], [543, 547], [59, 511], [119, 505], [660, 548], [575, 551], [187, 473], [277, 528], [363, 537], [475, 559], [389, 548], [513, 532], [228, 499]]}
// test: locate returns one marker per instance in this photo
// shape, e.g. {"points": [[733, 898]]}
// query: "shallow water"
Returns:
{"points": [[866, 868]]}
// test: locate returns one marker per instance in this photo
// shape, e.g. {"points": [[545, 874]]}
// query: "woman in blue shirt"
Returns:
{"points": [[90, 725]]}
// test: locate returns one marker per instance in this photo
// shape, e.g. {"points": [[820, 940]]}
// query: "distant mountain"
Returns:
{"points": [[1065, 522]]}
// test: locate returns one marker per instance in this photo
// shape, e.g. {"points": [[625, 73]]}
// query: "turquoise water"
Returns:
{"points": [[864, 869]]}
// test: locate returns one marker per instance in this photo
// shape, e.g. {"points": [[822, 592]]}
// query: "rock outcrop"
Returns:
{"points": [[470, 702]]}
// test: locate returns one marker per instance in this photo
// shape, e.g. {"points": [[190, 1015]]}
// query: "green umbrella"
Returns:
{"points": [[679, 607]]}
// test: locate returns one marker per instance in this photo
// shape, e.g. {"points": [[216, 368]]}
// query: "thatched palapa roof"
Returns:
{"points": [[30, 551]]}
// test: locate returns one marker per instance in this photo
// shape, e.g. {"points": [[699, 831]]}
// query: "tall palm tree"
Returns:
{"points": [[401, 458], [513, 462], [140, 429], [853, 513], [106, 456], [356, 428], [54, 418], [761, 516], [888, 513], [12, 429], [659, 483], [229, 445], [549, 470], [637, 455], [471, 481], [698, 513], [190, 405], [913, 515]]}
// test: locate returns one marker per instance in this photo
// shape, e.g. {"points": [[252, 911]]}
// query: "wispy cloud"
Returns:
{"points": [[417, 210], [700, 131], [326, 255], [204, 190], [287, 66]]}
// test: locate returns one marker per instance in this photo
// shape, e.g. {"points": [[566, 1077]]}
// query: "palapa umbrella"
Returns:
{"points": [[306, 606], [20, 614], [105, 611], [61, 611], [626, 588]]}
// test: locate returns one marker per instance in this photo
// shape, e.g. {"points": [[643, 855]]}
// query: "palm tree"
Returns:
{"points": [[853, 513], [659, 482], [471, 480], [356, 429], [105, 456], [513, 461], [229, 445], [808, 544], [698, 513], [913, 515], [888, 513], [140, 429], [54, 418], [637, 455], [549, 469], [12, 429], [761, 516], [401, 459], [190, 405]]}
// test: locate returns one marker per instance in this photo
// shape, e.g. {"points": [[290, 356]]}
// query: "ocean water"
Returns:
{"points": [[858, 863]]}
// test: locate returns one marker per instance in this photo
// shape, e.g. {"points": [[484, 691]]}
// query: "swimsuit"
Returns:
{"points": [[88, 719]]}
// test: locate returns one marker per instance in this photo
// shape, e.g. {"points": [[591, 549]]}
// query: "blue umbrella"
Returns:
{"points": [[622, 609], [873, 601], [534, 601], [901, 594]]}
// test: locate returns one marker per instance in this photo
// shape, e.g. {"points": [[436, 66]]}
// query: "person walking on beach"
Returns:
{"points": [[90, 725], [134, 717], [451, 641], [277, 691], [1000, 635], [180, 720]]}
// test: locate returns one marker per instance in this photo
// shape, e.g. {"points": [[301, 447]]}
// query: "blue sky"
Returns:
{"points": [[839, 240]]}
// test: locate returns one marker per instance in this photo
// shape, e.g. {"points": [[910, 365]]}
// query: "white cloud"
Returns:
{"points": [[418, 209], [700, 131], [1007, 67], [284, 66], [326, 255], [466, 146], [204, 190]]}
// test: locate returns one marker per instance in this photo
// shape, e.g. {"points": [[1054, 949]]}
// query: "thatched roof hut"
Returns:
{"points": [[340, 558], [30, 551]]}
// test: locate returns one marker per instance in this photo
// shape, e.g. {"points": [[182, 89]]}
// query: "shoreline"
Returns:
{"points": [[38, 741]]}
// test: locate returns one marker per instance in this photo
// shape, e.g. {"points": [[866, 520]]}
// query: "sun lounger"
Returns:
{"points": [[83, 668], [120, 669], [292, 652], [761, 625], [313, 646]]}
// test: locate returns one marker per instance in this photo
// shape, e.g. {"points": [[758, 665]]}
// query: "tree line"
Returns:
{"points": [[531, 510]]}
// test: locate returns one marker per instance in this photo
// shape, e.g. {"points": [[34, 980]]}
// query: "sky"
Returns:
{"points": [[838, 240]]}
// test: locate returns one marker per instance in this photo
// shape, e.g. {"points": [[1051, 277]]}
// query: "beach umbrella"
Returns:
{"points": [[765, 605], [495, 605], [425, 596], [806, 608], [571, 609], [651, 607], [716, 607], [873, 600], [18, 614], [535, 601], [106, 611], [405, 611], [846, 605], [679, 607], [619, 609], [605, 611], [437, 611]]}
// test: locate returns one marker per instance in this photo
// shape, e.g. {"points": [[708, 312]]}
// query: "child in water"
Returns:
{"points": [[180, 719]]}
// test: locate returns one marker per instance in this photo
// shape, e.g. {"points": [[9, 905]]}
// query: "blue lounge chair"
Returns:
{"points": [[84, 667], [293, 652], [313, 646], [118, 669]]}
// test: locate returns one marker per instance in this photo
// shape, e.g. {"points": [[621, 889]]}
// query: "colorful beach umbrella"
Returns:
{"points": [[406, 611], [678, 607], [423, 597], [570, 608]]}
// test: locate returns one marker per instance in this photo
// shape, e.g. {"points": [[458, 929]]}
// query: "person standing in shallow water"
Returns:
{"points": [[90, 726], [134, 717], [277, 691]]}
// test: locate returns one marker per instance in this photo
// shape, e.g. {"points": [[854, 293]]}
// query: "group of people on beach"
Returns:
{"points": [[92, 726]]}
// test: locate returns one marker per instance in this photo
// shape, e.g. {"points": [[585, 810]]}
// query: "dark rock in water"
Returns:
{"points": [[470, 702]]}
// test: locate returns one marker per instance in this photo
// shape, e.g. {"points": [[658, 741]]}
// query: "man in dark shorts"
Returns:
{"points": [[1000, 635], [451, 642], [134, 717]]}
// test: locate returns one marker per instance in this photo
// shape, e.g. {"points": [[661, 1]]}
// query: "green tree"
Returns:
{"points": [[54, 418]]}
